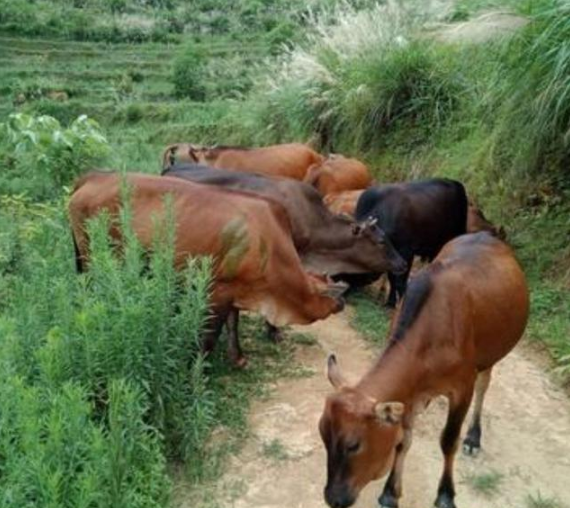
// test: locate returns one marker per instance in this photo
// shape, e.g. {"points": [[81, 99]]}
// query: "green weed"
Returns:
{"points": [[486, 484], [275, 450], [538, 501]]}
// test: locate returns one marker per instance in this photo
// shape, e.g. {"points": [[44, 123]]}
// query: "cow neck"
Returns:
{"points": [[398, 374], [332, 238]]}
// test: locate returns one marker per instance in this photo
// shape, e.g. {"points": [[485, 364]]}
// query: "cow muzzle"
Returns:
{"points": [[339, 496], [400, 267]]}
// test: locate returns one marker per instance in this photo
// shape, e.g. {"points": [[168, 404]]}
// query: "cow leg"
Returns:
{"points": [[234, 349], [273, 333], [472, 442], [458, 407], [398, 283], [393, 486], [214, 326], [392, 295]]}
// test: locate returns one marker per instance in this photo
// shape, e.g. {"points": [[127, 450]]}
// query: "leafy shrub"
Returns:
{"points": [[48, 155], [188, 73]]}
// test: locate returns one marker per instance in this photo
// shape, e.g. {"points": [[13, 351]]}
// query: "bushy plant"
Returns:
{"points": [[48, 155], [102, 376], [361, 78], [188, 73]]}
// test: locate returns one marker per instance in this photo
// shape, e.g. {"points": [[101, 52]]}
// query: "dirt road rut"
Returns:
{"points": [[526, 440]]}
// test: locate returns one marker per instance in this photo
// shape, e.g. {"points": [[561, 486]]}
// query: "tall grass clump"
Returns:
{"points": [[360, 78], [102, 378], [530, 100]]}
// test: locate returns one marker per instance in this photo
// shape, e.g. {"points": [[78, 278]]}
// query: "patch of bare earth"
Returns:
{"points": [[526, 437]]}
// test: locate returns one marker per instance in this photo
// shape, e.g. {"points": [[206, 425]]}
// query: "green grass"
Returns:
{"points": [[538, 501], [275, 451], [487, 484], [370, 318], [530, 100]]}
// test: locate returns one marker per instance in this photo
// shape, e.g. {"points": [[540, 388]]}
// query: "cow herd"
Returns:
{"points": [[288, 231]]}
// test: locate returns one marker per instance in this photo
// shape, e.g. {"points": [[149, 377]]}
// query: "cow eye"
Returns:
{"points": [[352, 447]]}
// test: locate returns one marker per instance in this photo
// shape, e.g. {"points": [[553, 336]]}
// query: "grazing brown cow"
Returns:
{"points": [[256, 266], [476, 222], [343, 202], [289, 161], [459, 317], [338, 173]]}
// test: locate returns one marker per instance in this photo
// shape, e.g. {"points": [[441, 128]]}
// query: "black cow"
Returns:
{"points": [[418, 217]]}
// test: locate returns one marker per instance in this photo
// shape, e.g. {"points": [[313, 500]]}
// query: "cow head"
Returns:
{"points": [[476, 221], [200, 154], [374, 250], [360, 435]]}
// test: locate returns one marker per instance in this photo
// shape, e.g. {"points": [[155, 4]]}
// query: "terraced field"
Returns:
{"points": [[98, 77], [125, 87]]}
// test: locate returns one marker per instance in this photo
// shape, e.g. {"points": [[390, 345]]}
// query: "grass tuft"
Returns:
{"points": [[487, 484], [538, 501]]}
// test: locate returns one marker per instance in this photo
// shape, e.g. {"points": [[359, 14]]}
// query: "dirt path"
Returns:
{"points": [[526, 438]]}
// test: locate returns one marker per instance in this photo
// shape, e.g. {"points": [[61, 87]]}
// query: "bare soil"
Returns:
{"points": [[526, 437]]}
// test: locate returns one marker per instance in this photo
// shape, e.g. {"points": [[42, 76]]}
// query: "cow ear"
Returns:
{"points": [[333, 373], [193, 153], [389, 412]]}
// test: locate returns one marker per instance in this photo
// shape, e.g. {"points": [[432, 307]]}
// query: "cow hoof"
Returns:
{"points": [[387, 501], [470, 448], [444, 501]]}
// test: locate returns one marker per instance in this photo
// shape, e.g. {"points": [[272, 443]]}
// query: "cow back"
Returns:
{"points": [[419, 217]]}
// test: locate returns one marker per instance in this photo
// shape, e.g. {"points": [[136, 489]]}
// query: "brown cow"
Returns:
{"points": [[256, 266], [289, 160], [459, 317], [338, 173], [344, 202]]}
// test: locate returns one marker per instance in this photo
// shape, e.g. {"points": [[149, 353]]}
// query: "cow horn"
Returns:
{"points": [[334, 374], [371, 221]]}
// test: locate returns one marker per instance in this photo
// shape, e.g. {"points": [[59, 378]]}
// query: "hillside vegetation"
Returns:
{"points": [[108, 397]]}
